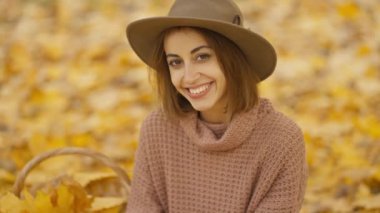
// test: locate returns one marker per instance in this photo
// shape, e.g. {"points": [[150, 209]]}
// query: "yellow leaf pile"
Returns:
{"points": [[69, 78], [66, 196], [328, 80]]}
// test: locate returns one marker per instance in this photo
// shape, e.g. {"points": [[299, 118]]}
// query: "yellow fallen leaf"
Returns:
{"points": [[10, 203], [349, 156], [49, 98], [40, 142], [103, 203], [348, 10], [369, 203], [86, 178], [40, 203], [377, 174], [71, 195], [52, 46], [363, 191], [20, 155], [110, 186], [64, 196], [109, 210], [6, 176], [364, 50], [18, 57], [63, 199], [82, 140], [369, 125]]}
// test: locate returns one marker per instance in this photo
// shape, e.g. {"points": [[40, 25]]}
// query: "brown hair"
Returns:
{"points": [[241, 80]]}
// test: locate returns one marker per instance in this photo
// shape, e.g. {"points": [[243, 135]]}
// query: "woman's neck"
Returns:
{"points": [[213, 117]]}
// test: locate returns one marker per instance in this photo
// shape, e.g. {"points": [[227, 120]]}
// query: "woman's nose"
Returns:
{"points": [[191, 74]]}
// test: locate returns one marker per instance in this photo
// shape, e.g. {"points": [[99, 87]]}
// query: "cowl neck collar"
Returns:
{"points": [[237, 132]]}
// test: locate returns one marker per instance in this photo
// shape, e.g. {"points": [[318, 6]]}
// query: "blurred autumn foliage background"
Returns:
{"points": [[69, 78]]}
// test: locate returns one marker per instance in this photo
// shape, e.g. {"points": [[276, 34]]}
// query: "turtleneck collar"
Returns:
{"points": [[217, 128], [238, 130]]}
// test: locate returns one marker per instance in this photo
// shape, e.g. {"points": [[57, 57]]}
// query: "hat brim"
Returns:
{"points": [[142, 36]]}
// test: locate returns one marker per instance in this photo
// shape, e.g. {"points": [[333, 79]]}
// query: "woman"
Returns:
{"points": [[214, 145]]}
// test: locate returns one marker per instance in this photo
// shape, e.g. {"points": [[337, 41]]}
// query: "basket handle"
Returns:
{"points": [[19, 183]]}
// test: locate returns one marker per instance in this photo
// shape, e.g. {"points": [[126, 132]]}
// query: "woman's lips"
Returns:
{"points": [[200, 91]]}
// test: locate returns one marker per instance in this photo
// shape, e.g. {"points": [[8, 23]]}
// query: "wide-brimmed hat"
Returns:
{"points": [[221, 16]]}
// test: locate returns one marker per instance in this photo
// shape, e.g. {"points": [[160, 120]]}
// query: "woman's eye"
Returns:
{"points": [[202, 57], [174, 63]]}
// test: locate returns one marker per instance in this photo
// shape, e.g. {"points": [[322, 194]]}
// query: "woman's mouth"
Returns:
{"points": [[200, 91]]}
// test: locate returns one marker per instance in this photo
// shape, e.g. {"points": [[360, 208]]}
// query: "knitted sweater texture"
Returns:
{"points": [[255, 164]]}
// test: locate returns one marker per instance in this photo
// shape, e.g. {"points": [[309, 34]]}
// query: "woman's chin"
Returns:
{"points": [[201, 108]]}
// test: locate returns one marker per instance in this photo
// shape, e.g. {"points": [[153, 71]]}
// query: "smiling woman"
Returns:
{"points": [[214, 145], [219, 63], [196, 74]]}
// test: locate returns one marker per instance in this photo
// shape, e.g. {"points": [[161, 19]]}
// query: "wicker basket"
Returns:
{"points": [[121, 174]]}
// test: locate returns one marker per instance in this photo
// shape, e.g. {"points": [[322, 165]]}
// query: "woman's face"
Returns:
{"points": [[195, 72]]}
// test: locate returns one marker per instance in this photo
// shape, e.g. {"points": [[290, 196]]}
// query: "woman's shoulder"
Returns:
{"points": [[283, 128], [286, 125], [279, 134], [156, 119]]}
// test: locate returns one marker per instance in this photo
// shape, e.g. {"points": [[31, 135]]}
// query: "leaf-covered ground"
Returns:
{"points": [[69, 78]]}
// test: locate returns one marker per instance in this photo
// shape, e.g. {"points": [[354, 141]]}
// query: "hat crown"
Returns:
{"points": [[219, 10]]}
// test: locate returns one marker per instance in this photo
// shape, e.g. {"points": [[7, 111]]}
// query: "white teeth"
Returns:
{"points": [[199, 89]]}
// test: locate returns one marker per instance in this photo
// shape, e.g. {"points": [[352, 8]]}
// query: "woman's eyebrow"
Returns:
{"points": [[198, 48], [192, 51], [171, 55]]}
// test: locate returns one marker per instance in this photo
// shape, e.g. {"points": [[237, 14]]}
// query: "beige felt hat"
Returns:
{"points": [[221, 16]]}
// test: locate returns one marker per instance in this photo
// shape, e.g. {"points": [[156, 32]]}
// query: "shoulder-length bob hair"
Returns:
{"points": [[241, 80]]}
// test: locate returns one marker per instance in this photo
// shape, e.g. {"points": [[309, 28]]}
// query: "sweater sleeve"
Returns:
{"points": [[287, 191], [143, 197]]}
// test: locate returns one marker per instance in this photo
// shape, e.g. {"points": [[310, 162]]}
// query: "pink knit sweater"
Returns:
{"points": [[256, 165]]}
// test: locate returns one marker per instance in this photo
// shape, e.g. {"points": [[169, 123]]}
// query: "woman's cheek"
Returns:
{"points": [[175, 78]]}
